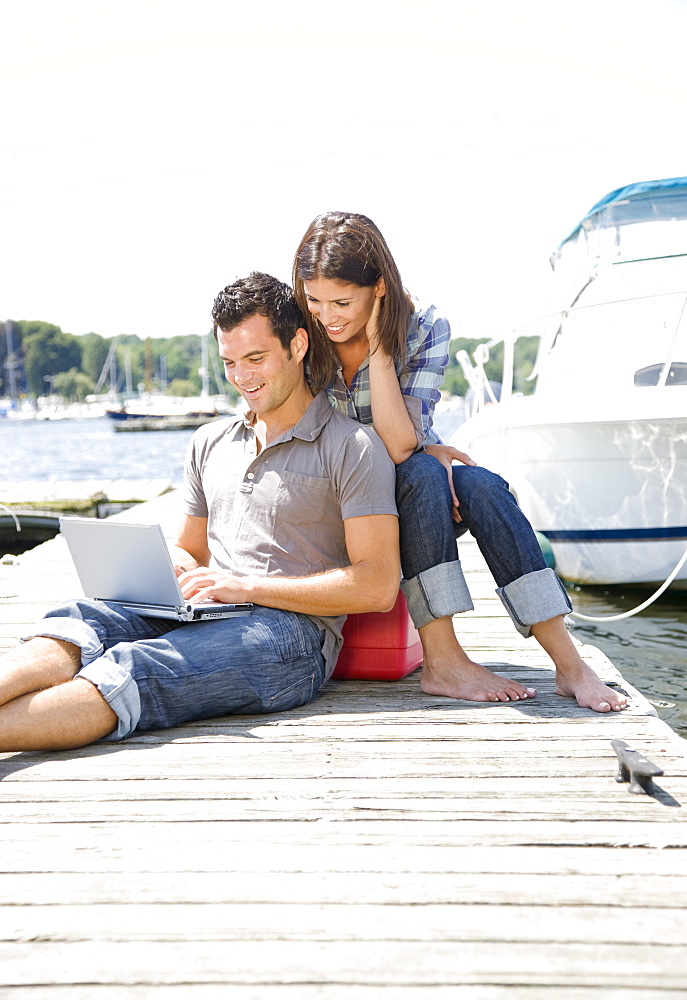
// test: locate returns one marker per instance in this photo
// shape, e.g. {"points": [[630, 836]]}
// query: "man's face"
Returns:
{"points": [[258, 366]]}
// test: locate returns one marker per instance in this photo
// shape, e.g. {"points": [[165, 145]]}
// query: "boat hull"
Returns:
{"points": [[609, 494]]}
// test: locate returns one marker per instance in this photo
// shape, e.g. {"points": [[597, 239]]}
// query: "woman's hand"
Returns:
{"points": [[371, 325], [445, 454]]}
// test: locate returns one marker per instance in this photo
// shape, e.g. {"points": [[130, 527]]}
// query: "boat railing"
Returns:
{"points": [[666, 367]]}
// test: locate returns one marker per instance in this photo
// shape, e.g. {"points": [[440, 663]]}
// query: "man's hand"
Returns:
{"points": [[203, 584], [447, 455]]}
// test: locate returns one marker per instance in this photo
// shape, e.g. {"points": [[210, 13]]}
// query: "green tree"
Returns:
{"points": [[47, 352], [182, 387], [73, 385], [94, 351]]}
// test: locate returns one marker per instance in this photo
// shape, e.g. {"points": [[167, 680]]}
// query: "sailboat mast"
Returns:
{"points": [[203, 371], [10, 363]]}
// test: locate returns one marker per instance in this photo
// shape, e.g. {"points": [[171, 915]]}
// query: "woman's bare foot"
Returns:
{"points": [[574, 678], [449, 671], [471, 682], [580, 682]]}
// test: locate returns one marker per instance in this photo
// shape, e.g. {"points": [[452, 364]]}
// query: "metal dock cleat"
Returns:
{"points": [[635, 768]]}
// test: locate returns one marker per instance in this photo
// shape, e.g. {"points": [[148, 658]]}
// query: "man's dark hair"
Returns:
{"points": [[259, 294]]}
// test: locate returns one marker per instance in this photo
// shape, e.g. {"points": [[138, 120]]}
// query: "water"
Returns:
{"points": [[50, 450], [648, 649]]}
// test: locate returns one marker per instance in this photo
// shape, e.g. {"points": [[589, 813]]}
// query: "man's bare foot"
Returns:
{"points": [[579, 681], [471, 681]]}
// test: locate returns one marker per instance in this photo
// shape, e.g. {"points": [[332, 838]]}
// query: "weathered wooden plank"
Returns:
{"points": [[95, 878], [336, 991], [270, 855], [412, 963], [340, 922], [451, 832], [295, 808], [335, 764], [438, 722], [340, 759], [173, 790]]}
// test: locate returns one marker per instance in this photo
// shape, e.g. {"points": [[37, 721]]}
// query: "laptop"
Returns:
{"points": [[130, 564]]}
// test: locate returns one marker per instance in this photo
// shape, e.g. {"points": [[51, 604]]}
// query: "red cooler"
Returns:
{"points": [[379, 646]]}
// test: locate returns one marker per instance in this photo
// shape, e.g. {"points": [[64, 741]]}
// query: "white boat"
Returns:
{"points": [[597, 456]]}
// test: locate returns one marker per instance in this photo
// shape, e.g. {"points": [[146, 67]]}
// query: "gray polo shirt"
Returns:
{"points": [[281, 512]]}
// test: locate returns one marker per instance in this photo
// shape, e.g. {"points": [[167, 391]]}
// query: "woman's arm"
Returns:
{"points": [[390, 417]]}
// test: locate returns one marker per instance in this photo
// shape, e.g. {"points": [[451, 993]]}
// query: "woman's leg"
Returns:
{"points": [[435, 588], [530, 591], [532, 594]]}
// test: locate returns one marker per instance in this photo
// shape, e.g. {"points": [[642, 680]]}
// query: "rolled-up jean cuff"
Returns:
{"points": [[436, 593], [73, 630], [119, 690], [534, 597]]}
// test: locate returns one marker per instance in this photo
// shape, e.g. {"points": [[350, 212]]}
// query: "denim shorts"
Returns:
{"points": [[155, 674]]}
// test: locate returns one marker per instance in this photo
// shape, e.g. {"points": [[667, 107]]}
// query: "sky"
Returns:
{"points": [[152, 151]]}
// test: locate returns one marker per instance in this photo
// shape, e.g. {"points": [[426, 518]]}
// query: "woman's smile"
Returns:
{"points": [[342, 308]]}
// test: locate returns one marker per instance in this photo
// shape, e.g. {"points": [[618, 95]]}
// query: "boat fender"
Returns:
{"points": [[547, 551]]}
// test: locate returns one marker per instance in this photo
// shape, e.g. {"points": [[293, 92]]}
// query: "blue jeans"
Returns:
{"points": [[433, 581], [155, 673]]}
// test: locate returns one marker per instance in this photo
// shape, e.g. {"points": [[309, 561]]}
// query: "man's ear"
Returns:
{"points": [[380, 288], [299, 343]]}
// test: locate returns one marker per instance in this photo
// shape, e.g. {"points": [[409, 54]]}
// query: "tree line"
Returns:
{"points": [[40, 359], [44, 360]]}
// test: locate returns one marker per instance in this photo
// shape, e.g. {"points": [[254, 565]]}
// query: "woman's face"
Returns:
{"points": [[342, 309]]}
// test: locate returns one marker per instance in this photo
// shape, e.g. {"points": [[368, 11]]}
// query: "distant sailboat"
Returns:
{"points": [[151, 411]]}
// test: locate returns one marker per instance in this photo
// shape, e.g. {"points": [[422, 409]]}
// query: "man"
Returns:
{"points": [[290, 508]]}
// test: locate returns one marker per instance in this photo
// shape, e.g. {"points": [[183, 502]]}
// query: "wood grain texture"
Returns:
{"points": [[377, 843]]}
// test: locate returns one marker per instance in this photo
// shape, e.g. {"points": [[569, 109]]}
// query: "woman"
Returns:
{"points": [[382, 359]]}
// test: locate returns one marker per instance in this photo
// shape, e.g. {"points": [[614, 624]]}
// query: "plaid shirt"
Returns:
{"points": [[420, 377]]}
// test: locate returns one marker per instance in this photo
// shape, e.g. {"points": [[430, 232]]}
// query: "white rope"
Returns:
{"points": [[12, 514], [650, 600]]}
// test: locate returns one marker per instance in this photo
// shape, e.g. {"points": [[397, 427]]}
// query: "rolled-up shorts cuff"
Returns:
{"points": [[114, 682], [119, 690], [73, 630], [534, 597], [436, 593]]}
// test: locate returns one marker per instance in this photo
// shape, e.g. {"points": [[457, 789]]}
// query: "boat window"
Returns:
{"points": [[652, 374]]}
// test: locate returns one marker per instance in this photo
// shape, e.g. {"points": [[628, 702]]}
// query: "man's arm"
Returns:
{"points": [[370, 583], [191, 547]]}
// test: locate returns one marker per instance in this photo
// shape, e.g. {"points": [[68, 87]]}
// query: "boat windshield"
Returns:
{"points": [[627, 327], [650, 224]]}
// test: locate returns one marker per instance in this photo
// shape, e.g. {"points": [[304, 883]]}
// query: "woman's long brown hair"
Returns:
{"points": [[343, 246]]}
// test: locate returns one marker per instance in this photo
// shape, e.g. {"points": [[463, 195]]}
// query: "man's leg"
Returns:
{"points": [[43, 704], [35, 665], [531, 593], [60, 718], [435, 588], [268, 661], [159, 676], [40, 706]]}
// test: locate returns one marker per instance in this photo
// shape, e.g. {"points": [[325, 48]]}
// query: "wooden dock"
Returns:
{"points": [[378, 843]]}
